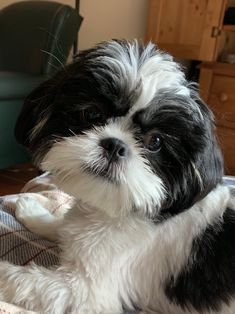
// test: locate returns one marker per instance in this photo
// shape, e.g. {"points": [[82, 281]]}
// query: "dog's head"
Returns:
{"points": [[123, 130]]}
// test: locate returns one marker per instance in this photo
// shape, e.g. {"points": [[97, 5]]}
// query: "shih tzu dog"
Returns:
{"points": [[153, 227]]}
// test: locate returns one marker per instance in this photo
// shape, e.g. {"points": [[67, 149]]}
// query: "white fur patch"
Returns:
{"points": [[155, 71], [137, 187]]}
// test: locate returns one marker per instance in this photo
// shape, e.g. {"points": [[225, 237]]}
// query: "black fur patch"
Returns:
{"points": [[61, 99], [210, 279], [189, 162]]}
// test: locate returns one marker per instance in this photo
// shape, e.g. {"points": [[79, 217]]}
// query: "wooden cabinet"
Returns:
{"points": [[186, 28], [217, 84], [193, 29]]}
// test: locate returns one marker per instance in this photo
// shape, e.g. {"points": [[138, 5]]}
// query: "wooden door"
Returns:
{"points": [[186, 28]]}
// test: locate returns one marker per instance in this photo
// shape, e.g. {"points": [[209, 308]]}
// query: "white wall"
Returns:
{"points": [[107, 19]]}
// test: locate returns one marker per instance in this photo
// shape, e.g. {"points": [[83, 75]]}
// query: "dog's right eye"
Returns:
{"points": [[93, 115], [153, 141]]}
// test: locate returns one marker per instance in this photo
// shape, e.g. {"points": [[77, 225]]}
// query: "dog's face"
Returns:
{"points": [[123, 130]]}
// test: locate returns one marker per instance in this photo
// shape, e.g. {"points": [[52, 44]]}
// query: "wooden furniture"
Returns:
{"points": [[12, 180], [217, 83], [193, 29]]}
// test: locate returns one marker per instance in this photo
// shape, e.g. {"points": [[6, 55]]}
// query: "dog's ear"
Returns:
{"points": [[203, 169], [209, 162], [35, 105]]}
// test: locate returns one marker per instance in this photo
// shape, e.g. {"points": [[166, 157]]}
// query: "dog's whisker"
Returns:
{"points": [[55, 67], [56, 58], [73, 133], [57, 42]]}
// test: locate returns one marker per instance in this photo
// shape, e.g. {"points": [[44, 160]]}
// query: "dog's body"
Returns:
{"points": [[153, 227]]}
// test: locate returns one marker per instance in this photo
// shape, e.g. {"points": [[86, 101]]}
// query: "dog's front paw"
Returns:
{"points": [[27, 207], [36, 218], [30, 212]]}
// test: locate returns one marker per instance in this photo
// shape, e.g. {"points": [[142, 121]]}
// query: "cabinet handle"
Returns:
{"points": [[223, 97]]}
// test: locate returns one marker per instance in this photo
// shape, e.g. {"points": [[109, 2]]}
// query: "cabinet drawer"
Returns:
{"points": [[222, 100], [226, 139]]}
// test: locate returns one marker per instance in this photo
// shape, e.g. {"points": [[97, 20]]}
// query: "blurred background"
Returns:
{"points": [[107, 19]]}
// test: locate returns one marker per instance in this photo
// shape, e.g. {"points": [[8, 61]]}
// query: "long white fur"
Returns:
{"points": [[138, 186], [103, 259]]}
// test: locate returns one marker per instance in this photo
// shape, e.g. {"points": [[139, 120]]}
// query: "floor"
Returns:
{"points": [[13, 179]]}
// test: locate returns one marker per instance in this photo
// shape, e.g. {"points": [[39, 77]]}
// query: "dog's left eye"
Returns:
{"points": [[153, 141], [93, 115]]}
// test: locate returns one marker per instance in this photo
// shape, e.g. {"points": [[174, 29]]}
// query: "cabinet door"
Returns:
{"points": [[186, 28]]}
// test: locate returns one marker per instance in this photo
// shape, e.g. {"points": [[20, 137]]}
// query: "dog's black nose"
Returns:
{"points": [[115, 148]]}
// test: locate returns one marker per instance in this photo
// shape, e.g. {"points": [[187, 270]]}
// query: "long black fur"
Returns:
{"points": [[210, 279]]}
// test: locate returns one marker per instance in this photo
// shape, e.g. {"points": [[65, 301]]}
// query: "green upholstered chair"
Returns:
{"points": [[35, 40]]}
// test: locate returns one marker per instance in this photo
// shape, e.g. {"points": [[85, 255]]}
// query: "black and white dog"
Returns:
{"points": [[154, 227]]}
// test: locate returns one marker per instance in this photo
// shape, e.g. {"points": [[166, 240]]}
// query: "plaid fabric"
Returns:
{"points": [[20, 246]]}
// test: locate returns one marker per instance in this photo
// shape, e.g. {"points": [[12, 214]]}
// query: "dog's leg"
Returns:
{"points": [[36, 218], [35, 288], [58, 291]]}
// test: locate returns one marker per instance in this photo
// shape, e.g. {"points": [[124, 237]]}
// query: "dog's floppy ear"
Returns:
{"points": [[202, 170], [36, 103], [209, 162]]}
